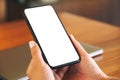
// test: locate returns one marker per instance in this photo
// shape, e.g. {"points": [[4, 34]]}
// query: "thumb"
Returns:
{"points": [[35, 52], [78, 46]]}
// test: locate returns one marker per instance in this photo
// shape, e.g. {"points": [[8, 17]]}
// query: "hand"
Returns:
{"points": [[38, 69], [87, 69]]}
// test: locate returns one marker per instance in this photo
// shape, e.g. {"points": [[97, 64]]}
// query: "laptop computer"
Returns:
{"points": [[14, 61], [92, 50]]}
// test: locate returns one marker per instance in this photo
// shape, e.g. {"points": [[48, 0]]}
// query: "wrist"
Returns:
{"points": [[102, 77], [107, 78], [112, 78]]}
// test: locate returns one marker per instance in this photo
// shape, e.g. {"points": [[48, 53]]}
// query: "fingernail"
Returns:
{"points": [[31, 44]]}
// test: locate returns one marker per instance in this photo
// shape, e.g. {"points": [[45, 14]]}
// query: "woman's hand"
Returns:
{"points": [[87, 69]]}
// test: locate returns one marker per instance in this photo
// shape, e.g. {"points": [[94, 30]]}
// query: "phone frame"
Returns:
{"points": [[35, 38]]}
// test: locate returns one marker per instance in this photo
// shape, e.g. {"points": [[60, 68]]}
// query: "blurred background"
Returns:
{"points": [[102, 10]]}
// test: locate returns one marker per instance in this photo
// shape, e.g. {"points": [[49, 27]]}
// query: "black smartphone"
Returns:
{"points": [[50, 34]]}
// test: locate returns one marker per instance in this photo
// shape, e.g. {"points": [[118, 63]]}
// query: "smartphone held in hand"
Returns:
{"points": [[51, 36]]}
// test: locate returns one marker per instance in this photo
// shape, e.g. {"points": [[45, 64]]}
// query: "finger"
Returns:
{"points": [[35, 52], [78, 46], [54, 70], [29, 68], [61, 71]]}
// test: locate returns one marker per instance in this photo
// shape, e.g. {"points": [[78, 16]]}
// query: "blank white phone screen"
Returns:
{"points": [[51, 36]]}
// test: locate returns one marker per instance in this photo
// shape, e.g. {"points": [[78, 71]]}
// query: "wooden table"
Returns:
{"points": [[100, 34]]}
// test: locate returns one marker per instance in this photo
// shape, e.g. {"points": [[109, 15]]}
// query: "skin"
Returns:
{"points": [[87, 69]]}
